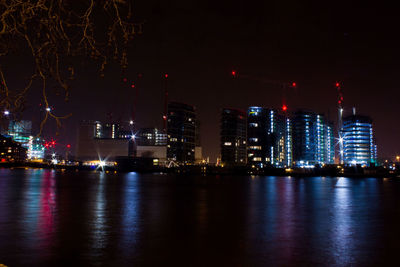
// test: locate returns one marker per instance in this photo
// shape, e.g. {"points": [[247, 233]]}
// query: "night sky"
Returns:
{"points": [[198, 43]]}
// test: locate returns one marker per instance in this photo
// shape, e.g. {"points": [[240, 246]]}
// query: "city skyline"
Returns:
{"points": [[309, 46]]}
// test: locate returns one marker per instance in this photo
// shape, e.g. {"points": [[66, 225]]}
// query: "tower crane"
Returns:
{"points": [[284, 85]]}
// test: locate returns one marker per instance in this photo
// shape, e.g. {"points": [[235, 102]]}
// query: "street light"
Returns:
{"points": [[6, 112], [48, 109]]}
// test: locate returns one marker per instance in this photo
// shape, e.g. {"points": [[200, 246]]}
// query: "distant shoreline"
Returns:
{"points": [[219, 171]]}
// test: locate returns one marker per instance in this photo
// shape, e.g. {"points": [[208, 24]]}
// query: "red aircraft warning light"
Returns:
{"points": [[284, 108], [234, 73], [294, 84], [133, 85], [125, 80], [337, 84], [68, 146], [166, 75]]}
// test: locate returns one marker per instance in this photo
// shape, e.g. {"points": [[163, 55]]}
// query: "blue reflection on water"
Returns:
{"points": [[115, 219], [130, 207], [342, 225]]}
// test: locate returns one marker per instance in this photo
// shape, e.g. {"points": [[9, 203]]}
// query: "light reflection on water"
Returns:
{"points": [[99, 220], [130, 211], [51, 217]]}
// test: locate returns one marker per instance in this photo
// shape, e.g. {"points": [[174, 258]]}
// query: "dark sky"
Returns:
{"points": [[198, 43]]}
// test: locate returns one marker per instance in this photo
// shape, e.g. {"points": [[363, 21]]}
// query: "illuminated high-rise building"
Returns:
{"points": [[20, 131], [181, 133], [233, 137], [312, 139], [269, 141], [330, 143], [358, 140]]}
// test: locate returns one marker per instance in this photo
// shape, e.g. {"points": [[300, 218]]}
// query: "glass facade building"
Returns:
{"points": [[21, 132], [269, 141], [358, 141], [313, 141], [233, 137], [181, 133]]}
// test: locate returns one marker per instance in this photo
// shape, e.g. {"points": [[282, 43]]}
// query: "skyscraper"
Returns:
{"points": [[312, 139], [268, 138], [233, 137], [181, 133], [358, 140]]}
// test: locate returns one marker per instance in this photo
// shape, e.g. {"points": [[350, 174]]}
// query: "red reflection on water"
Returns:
{"points": [[47, 209]]}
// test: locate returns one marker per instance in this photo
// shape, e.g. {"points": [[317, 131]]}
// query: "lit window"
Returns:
{"points": [[227, 144]]}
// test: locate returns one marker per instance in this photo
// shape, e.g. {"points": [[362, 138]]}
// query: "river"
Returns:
{"points": [[67, 218]]}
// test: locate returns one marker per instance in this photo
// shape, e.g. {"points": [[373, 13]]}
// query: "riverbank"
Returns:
{"points": [[332, 170]]}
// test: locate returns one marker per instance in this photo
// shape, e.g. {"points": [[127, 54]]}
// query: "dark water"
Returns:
{"points": [[54, 218]]}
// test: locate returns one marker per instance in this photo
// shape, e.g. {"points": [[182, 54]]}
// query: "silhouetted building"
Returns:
{"points": [[233, 137], [107, 130], [91, 146], [148, 143], [181, 131], [358, 140], [312, 139], [150, 137], [11, 151]]}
